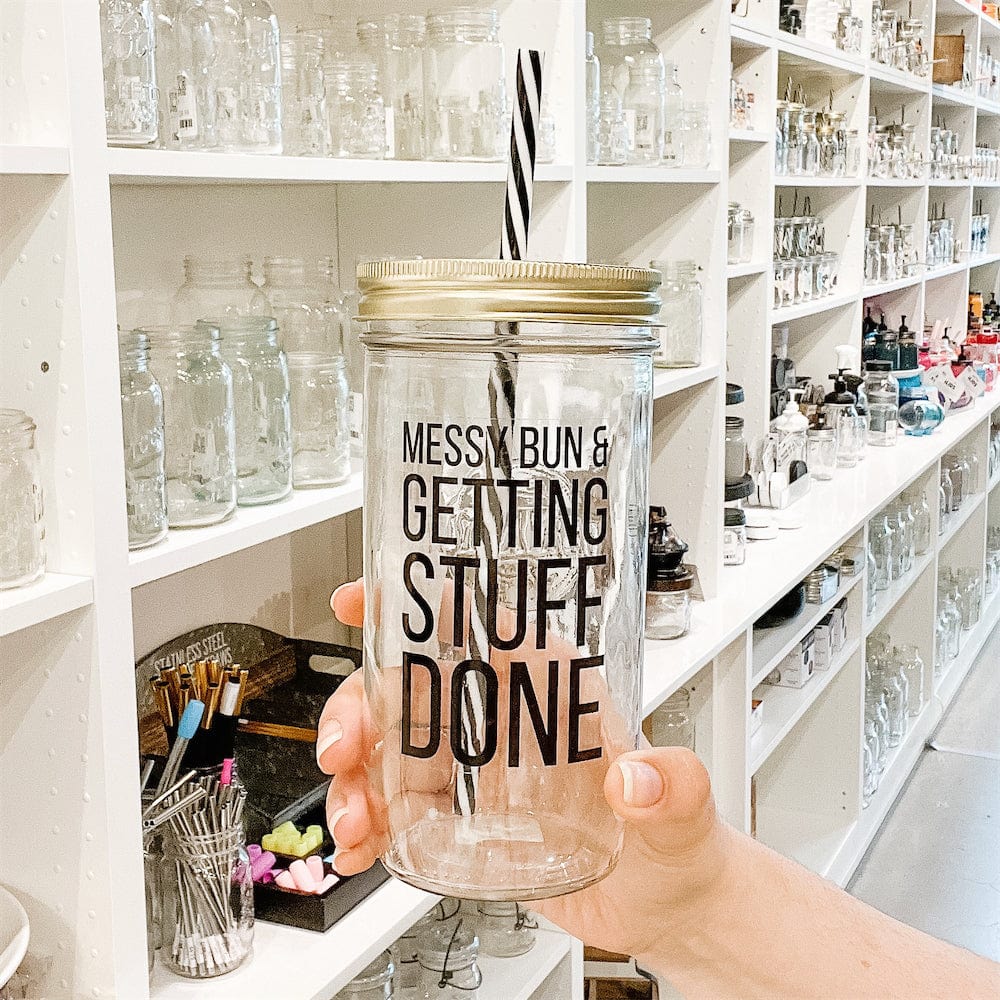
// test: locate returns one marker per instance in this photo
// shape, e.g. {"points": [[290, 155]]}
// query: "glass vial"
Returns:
{"points": [[22, 527], [142, 429], [131, 108]]}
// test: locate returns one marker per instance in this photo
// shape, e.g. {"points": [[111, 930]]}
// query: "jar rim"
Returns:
{"points": [[173, 333], [507, 291]]}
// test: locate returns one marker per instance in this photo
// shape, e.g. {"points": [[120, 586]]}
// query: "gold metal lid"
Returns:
{"points": [[507, 291]]}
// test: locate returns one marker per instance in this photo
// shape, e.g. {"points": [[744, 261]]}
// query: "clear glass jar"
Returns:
{"points": [[260, 409], [668, 607], [747, 225], [921, 525], [217, 289], [304, 114], [545, 815], [671, 725], [628, 45], [200, 455], [464, 90], [734, 224], [696, 136], [644, 114], [396, 43], [449, 963], [207, 890], [355, 109], [673, 106], [613, 135], [736, 451], [821, 452], [260, 94], [882, 391], [734, 537], [131, 108], [374, 982], [321, 429], [22, 527], [446, 912], [142, 429], [592, 84], [291, 291], [681, 320], [505, 929], [881, 539], [211, 40], [912, 666]]}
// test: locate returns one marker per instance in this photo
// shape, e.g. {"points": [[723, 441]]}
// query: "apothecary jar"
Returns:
{"points": [[22, 526]]}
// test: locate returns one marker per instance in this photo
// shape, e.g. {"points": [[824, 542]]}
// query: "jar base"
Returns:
{"points": [[477, 870], [23, 581], [260, 501]]}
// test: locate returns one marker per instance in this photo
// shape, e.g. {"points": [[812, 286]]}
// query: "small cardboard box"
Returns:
{"points": [[823, 651], [797, 667]]}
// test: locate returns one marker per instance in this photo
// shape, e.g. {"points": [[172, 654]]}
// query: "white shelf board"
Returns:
{"points": [[888, 599], [946, 686], [745, 36], [294, 964], [959, 517], [747, 270], [944, 272], [53, 595], [182, 549], [784, 706], [948, 182], [895, 182], [158, 166], [670, 380], [944, 94], [814, 306], [651, 175], [870, 291], [826, 55], [976, 183], [979, 259], [791, 180], [990, 26], [771, 645], [893, 81], [517, 978], [18, 159], [987, 107], [994, 483], [748, 135], [812, 839]]}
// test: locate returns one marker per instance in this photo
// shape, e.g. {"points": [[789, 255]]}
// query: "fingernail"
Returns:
{"points": [[331, 821], [333, 597], [331, 733], [333, 861], [641, 783]]}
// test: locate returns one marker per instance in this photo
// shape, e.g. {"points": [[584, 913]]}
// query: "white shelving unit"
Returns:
{"points": [[93, 236]]}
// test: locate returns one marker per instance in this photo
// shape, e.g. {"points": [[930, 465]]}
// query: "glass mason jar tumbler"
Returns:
{"points": [[22, 527], [321, 427], [197, 387], [131, 108], [681, 315], [505, 928], [142, 430], [529, 510], [217, 289]]}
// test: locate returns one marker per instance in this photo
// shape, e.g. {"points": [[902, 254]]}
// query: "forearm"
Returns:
{"points": [[773, 929]]}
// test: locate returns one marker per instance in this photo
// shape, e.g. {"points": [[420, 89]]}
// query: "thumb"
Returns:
{"points": [[664, 794]]}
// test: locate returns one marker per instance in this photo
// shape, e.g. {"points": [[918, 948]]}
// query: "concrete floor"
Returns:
{"points": [[935, 863]]}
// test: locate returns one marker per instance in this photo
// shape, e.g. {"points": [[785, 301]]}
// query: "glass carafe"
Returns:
{"points": [[142, 430], [131, 108], [217, 289], [200, 453], [22, 527]]}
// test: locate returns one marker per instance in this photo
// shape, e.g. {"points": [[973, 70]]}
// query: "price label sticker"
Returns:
{"points": [[942, 378], [974, 385]]}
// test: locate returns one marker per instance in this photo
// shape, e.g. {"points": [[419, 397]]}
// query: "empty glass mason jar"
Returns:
{"points": [[321, 427], [131, 108], [912, 666], [305, 125], [628, 45], [260, 409], [447, 911], [644, 114], [217, 289], [593, 100], [396, 43], [356, 109], [521, 812], [671, 725], [696, 135], [374, 982], [260, 93], [612, 148], [22, 527], [465, 98], [200, 454], [291, 291], [449, 963], [505, 928], [142, 429], [680, 316], [821, 452]]}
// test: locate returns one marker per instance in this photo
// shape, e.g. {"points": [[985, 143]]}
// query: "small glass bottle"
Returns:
{"points": [[882, 391], [142, 429], [734, 537], [131, 107], [505, 929], [671, 725], [449, 963], [200, 434], [217, 289], [260, 407], [260, 93], [644, 114], [22, 527], [593, 100], [374, 982], [681, 315], [736, 451]]}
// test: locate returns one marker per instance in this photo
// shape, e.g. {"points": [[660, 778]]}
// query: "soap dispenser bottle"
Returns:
{"points": [[842, 414], [790, 428]]}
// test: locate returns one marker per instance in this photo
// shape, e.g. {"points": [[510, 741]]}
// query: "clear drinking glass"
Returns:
{"points": [[142, 430], [260, 94], [217, 289], [22, 527], [321, 428], [464, 90], [396, 43], [200, 454], [131, 108], [304, 117], [519, 811], [260, 409]]}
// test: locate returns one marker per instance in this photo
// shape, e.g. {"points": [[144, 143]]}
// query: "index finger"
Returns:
{"points": [[344, 737]]}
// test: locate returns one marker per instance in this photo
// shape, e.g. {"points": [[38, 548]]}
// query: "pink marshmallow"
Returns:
{"points": [[285, 880], [315, 865], [327, 884], [299, 871]]}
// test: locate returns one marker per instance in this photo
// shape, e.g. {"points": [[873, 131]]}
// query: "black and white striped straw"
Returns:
{"points": [[502, 386]]}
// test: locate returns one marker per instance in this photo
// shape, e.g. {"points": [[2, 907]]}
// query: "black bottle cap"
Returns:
{"points": [[878, 366], [734, 394]]}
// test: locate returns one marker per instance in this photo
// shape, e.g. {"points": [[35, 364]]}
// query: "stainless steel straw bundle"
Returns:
{"points": [[209, 928]]}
